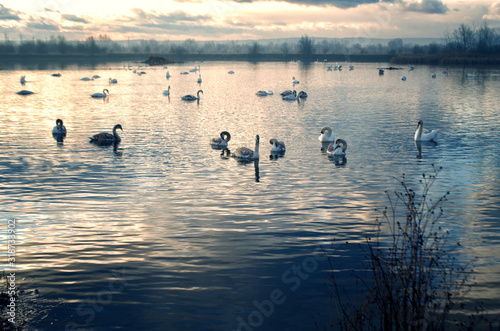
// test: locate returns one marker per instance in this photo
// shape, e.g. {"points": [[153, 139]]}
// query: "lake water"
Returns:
{"points": [[165, 233]]}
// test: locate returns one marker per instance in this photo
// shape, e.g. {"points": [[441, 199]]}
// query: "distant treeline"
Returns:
{"points": [[480, 41]]}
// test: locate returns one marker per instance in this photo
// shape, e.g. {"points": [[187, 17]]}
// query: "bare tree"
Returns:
{"points": [[306, 47], [464, 37]]}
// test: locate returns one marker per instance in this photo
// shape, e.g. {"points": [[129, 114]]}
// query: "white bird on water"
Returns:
{"points": [[338, 148], [278, 146], [244, 153], [222, 141], [326, 135], [422, 134]]}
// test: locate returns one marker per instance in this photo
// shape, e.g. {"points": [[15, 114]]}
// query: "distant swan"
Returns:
{"points": [[230, 72], [25, 92], [23, 80], [290, 97], [302, 95], [199, 79], [222, 141], [167, 92], [104, 94], [168, 75], [244, 153], [261, 93], [86, 79], [326, 135], [59, 129], [338, 148], [113, 81], [424, 135], [191, 97], [294, 81], [287, 92], [105, 138], [278, 146]]}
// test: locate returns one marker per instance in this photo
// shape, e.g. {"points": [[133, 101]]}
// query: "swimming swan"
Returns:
{"points": [[113, 81], [290, 97], [338, 148], [424, 135], [191, 97], [104, 94], [326, 135], [294, 81], [59, 129], [167, 92], [278, 146], [302, 95], [25, 92], [23, 80], [222, 141], [105, 138], [244, 153]]}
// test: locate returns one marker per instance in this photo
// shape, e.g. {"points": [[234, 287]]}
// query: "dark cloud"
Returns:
{"points": [[74, 18], [344, 4], [7, 14], [427, 7], [42, 24]]}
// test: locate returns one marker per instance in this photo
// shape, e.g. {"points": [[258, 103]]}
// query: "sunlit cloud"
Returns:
{"points": [[244, 19]]}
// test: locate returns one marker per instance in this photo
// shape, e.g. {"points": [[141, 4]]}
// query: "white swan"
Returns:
{"points": [[105, 138], [59, 129], [230, 72], [302, 95], [287, 92], [96, 76], [294, 81], [261, 93], [104, 94], [424, 135], [199, 79], [338, 148], [167, 92], [326, 135], [86, 79], [222, 141], [278, 146], [23, 80], [113, 81], [168, 75], [244, 153], [191, 97]]}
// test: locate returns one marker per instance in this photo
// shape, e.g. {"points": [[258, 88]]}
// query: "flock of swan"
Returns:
{"points": [[336, 147]]}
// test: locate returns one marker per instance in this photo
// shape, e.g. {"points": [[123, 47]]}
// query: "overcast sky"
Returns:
{"points": [[241, 19]]}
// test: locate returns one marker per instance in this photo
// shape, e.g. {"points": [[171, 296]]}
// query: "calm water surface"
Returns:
{"points": [[165, 233]]}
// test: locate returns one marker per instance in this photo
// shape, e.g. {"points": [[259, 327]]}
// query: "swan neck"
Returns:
{"points": [[256, 155]]}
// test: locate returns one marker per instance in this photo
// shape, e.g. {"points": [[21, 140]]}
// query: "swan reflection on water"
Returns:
{"points": [[419, 145], [255, 164], [339, 160]]}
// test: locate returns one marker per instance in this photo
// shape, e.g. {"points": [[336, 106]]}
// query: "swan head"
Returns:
{"points": [[326, 129], [420, 123], [199, 91], [118, 126], [225, 136], [105, 91], [59, 122], [273, 141]]}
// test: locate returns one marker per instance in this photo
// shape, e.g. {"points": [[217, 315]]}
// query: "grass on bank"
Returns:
{"points": [[410, 281]]}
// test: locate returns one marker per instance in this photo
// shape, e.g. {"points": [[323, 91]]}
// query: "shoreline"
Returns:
{"points": [[51, 61]]}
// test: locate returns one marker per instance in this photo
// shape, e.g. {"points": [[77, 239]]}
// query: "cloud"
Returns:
{"points": [[427, 7], [344, 4], [173, 17], [74, 18], [493, 12], [7, 14], [41, 23]]}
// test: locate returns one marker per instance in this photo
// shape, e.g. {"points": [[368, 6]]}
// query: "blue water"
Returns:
{"points": [[165, 233]]}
